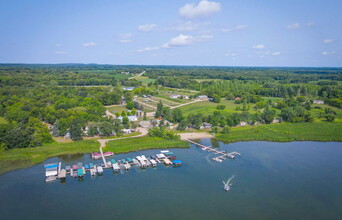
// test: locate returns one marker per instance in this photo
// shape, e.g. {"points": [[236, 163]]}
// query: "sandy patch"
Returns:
{"points": [[195, 135]]}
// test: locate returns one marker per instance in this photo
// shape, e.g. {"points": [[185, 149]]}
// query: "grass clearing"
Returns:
{"points": [[318, 131], [143, 143], [145, 80], [207, 107], [118, 108]]}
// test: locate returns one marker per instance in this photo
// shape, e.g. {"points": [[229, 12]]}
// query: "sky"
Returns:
{"points": [[173, 32]]}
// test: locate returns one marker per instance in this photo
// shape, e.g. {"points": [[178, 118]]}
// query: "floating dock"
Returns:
{"points": [[223, 154]]}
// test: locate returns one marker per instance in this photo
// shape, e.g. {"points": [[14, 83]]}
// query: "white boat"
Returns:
{"points": [[164, 151], [99, 169], [127, 166], [92, 172], [153, 162], [158, 160], [115, 166], [50, 179]]}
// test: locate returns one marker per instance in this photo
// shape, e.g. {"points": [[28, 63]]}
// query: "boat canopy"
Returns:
{"points": [[177, 161], [50, 165]]}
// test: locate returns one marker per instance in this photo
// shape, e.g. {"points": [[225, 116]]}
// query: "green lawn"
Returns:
{"points": [[143, 143], [117, 109], [207, 107], [318, 131], [145, 80]]}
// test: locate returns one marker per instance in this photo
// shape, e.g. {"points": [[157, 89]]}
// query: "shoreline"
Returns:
{"points": [[284, 132]]}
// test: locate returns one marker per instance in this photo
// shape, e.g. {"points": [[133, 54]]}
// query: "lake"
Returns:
{"points": [[295, 180]]}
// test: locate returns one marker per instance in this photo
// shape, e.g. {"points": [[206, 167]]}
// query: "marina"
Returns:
{"points": [[55, 171]]}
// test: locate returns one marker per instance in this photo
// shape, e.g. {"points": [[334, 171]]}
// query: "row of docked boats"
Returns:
{"points": [[54, 171]]}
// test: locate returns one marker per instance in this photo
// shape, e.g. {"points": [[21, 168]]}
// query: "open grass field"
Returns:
{"points": [[143, 143], [207, 107], [119, 108], [318, 131], [145, 80], [165, 101]]}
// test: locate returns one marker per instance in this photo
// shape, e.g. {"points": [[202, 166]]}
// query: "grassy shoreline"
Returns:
{"points": [[285, 132], [26, 157]]}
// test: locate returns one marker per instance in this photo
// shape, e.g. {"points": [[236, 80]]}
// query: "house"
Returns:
{"points": [[67, 135], [202, 97], [206, 126], [276, 120], [130, 118], [175, 96], [319, 102], [128, 88], [185, 97], [237, 98], [126, 131], [145, 124], [243, 123]]}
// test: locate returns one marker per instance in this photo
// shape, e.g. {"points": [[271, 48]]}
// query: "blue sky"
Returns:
{"points": [[172, 32]]}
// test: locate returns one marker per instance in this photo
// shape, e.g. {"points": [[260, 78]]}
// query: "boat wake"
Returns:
{"points": [[227, 184]]}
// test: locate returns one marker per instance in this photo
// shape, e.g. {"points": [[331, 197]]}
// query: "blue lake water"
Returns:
{"points": [[295, 180]]}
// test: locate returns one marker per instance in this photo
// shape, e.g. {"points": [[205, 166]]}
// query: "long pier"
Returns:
{"points": [[223, 155]]}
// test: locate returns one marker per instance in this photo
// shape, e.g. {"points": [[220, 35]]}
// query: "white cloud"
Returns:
{"points": [[89, 44], [148, 49], [325, 53], [125, 41], [126, 35], [327, 41], [237, 27], [185, 40], [275, 53], [298, 25], [259, 46], [202, 9], [293, 26], [230, 54], [58, 45], [146, 27], [61, 52], [180, 40]]}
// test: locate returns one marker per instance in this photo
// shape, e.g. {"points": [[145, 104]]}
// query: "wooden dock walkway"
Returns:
{"points": [[223, 154]]}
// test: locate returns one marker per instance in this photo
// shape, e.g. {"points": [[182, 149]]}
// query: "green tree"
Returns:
{"points": [[145, 117], [268, 116], [76, 132], [225, 130], [130, 105], [330, 117], [216, 98], [105, 128]]}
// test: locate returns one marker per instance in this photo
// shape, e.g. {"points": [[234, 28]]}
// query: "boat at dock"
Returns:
{"points": [[153, 162], [177, 163], [167, 161], [62, 174], [97, 155], [50, 179], [116, 167], [99, 170]]}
